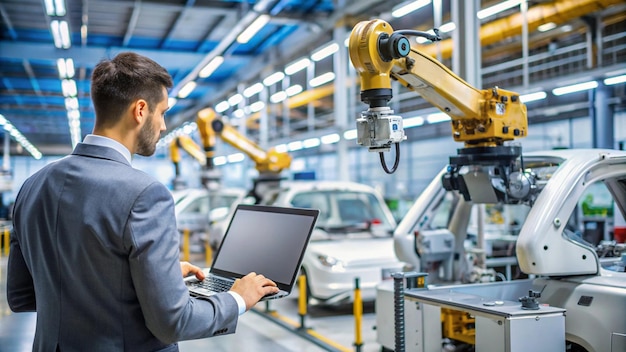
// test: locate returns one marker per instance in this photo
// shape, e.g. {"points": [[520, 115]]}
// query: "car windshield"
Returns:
{"points": [[222, 200], [346, 212]]}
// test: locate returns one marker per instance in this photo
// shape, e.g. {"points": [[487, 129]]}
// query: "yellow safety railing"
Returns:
{"points": [[186, 245], [302, 300], [208, 254], [7, 235], [357, 308]]}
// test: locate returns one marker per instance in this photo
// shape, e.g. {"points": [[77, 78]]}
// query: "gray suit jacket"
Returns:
{"points": [[95, 252]]}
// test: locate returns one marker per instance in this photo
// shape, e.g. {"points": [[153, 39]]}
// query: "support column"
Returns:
{"points": [[285, 107], [6, 156], [340, 101], [602, 117], [437, 15], [310, 108], [466, 52], [264, 120], [524, 12]]}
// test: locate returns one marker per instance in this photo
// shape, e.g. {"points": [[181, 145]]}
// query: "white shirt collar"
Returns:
{"points": [[108, 142]]}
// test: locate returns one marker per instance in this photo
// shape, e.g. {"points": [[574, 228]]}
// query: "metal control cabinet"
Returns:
{"points": [[501, 323]]}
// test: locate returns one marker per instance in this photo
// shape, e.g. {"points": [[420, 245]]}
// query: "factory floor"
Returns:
{"points": [[332, 328]]}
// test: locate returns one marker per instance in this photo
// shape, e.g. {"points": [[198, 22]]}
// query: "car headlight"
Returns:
{"points": [[331, 262]]}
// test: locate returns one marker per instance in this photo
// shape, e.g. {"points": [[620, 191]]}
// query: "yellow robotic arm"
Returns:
{"points": [[188, 145], [271, 161], [483, 119], [480, 118]]}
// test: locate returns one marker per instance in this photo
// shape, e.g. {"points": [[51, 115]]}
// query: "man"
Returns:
{"points": [[95, 249]]}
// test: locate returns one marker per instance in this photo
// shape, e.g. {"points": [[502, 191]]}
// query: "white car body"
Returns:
{"points": [[343, 247], [202, 212]]}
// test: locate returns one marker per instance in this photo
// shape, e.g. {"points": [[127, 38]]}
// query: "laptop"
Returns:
{"points": [[268, 240]]}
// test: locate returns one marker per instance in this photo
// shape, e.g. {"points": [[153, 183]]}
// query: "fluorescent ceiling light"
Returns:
{"points": [[252, 90], [546, 27], [71, 103], [325, 52], [295, 145], [171, 101], [330, 138], [253, 28], [235, 99], [297, 66], [59, 6], [615, 80], [239, 113], [211, 67], [73, 123], [61, 34], [187, 89], [65, 35], [412, 122], [219, 160], [350, 134], [17, 135], [437, 117], [273, 78], [447, 27], [293, 90], [422, 40], [56, 34], [190, 128], [69, 88], [66, 68], [281, 148], [346, 42], [311, 143], [235, 158], [278, 97], [408, 7], [55, 7], [322, 79], [222, 106], [574, 88], [73, 114], [257, 106], [495, 9], [527, 98]]}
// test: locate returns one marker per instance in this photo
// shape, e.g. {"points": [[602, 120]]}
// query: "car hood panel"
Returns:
{"points": [[357, 252]]}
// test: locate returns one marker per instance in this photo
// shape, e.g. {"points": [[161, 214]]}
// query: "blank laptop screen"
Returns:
{"points": [[266, 242]]}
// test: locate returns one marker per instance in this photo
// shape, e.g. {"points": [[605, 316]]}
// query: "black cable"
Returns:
{"points": [[433, 38], [396, 162]]}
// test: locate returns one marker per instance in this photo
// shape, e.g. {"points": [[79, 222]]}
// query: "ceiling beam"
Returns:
{"points": [[7, 22], [180, 21], [33, 81], [90, 56], [134, 17]]}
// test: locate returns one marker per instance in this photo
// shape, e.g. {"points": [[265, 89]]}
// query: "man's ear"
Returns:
{"points": [[141, 110]]}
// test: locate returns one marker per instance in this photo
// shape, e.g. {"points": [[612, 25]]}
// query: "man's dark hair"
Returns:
{"points": [[118, 82]]}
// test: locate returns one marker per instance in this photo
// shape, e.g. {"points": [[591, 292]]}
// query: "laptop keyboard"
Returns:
{"points": [[216, 284]]}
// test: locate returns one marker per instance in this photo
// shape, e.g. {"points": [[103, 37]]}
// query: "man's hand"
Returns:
{"points": [[253, 287], [190, 269]]}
